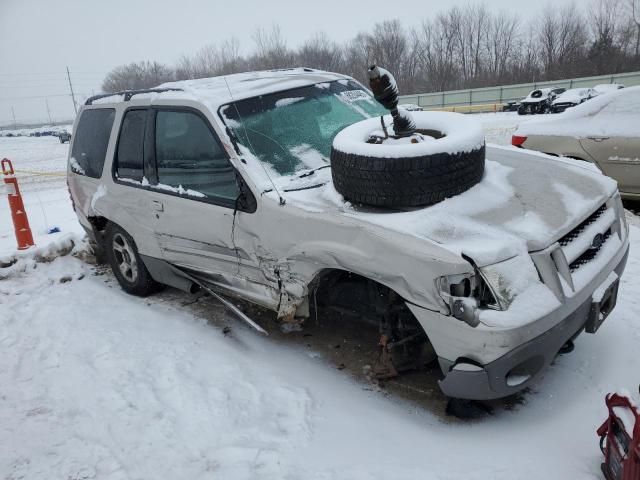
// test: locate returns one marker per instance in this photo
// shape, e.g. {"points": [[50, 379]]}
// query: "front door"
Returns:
{"points": [[193, 204]]}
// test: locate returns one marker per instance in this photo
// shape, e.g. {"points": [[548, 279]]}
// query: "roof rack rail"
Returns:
{"points": [[130, 93]]}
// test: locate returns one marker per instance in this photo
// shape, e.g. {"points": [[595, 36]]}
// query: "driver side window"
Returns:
{"points": [[189, 158]]}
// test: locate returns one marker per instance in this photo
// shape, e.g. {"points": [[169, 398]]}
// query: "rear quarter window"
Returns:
{"points": [[91, 140]]}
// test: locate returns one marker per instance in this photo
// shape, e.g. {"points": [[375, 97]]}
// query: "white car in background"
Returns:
{"points": [[605, 131], [571, 98]]}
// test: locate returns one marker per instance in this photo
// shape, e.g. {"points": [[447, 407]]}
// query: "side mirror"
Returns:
{"points": [[246, 201]]}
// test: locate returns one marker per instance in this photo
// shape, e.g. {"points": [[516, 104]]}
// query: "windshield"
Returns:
{"points": [[292, 131]]}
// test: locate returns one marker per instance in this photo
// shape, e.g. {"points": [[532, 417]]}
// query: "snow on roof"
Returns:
{"points": [[216, 91]]}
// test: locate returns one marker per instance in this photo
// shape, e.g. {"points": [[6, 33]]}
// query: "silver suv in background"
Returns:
{"points": [[225, 184]]}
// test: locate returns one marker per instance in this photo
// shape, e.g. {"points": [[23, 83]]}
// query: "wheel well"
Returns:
{"points": [[376, 311], [99, 224], [362, 297]]}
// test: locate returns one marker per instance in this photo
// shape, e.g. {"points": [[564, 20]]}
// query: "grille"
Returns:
{"points": [[589, 254], [576, 232]]}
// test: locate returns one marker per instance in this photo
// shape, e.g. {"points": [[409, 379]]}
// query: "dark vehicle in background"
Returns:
{"points": [[511, 106], [64, 137], [539, 101]]}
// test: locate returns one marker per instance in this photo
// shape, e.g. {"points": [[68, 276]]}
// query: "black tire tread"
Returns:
{"points": [[410, 181]]}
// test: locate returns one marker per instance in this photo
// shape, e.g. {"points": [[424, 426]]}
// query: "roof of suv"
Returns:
{"points": [[216, 91]]}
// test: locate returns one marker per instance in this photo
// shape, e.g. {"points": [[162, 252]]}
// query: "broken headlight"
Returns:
{"points": [[465, 294], [490, 287]]}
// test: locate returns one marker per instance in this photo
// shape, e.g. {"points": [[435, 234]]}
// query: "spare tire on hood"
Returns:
{"points": [[444, 158]]}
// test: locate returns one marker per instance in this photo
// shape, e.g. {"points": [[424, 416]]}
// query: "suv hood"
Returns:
{"points": [[525, 202]]}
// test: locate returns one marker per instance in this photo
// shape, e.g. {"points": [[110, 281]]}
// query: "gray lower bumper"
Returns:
{"points": [[500, 377]]}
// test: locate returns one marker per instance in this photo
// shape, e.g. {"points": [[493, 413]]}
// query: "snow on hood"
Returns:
{"points": [[524, 203], [575, 95], [612, 114]]}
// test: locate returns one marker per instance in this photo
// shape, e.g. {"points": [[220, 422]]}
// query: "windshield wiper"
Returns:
{"points": [[311, 172]]}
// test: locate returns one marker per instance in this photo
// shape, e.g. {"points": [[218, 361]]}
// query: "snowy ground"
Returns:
{"points": [[98, 384]]}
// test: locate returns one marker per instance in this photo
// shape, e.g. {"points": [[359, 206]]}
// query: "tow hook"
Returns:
{"points": [[567, 348], [384, 368]]}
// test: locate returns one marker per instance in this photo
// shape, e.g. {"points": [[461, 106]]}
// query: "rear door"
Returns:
{"points": [[87, 156], [617, 157], [193, 202], [613, 140]]}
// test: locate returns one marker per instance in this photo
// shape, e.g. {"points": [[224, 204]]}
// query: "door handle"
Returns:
{"points": [[157, 205], [598, 139]]}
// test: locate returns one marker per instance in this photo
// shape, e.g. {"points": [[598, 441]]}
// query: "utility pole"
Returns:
{"points": [[73, 97], [46, 102], [13, 112]]}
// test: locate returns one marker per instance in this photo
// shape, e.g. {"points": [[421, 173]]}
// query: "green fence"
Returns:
{"points": [[496, 95]]}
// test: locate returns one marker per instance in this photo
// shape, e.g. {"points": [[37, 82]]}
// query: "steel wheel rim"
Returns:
{"points": [[125, 258]]}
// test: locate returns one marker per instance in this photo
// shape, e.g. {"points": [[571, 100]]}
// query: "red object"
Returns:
{"points": [[18, 213], [517, 140], [621, 447]]}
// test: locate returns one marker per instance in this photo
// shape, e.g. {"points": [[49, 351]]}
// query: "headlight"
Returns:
{"points": [[490, 287], [622, 227], [465, 294]]}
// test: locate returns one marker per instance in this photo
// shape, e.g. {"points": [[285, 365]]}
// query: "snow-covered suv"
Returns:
{"points": [[225, 184]]}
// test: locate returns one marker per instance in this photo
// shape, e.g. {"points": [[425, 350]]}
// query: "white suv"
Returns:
{"points": [[224, 183]]}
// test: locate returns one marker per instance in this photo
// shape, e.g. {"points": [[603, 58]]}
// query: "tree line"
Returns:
{"points": [[462, 47]]}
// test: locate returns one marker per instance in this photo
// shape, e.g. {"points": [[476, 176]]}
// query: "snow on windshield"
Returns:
{"points": [[291, 132], [283, 102]]}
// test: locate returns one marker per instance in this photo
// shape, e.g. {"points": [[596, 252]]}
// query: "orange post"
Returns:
{"points": [[18, 213]]}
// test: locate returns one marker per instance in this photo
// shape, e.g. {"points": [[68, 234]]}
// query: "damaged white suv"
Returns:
{"points": [[225, 183]]}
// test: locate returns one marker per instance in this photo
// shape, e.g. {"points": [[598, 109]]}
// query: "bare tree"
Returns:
{"points": [[634, 7], [271, 50], [460, 47], [563, 39], [136, 75], [501, 43], [435, 42], [320, 52]]}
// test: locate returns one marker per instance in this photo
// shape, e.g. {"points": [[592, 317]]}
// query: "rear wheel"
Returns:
{"points": [[125, 261]]}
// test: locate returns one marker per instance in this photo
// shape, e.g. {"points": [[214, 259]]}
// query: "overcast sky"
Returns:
{"points": [[39, 38]]}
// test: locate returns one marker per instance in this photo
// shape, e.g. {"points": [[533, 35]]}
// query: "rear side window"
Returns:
{"points": [[91, 141], [130, 153], [190, 159]]}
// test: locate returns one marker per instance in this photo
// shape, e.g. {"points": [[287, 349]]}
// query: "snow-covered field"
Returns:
{"points": [[99, 384]]}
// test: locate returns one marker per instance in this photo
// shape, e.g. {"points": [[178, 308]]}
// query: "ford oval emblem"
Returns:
{"points": [[597, 241]]}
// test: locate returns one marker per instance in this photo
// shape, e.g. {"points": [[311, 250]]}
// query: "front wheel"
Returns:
{"points": [[125, 261]]}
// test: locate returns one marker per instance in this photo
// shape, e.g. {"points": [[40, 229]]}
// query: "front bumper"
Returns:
{"points": [[519, 367]]}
